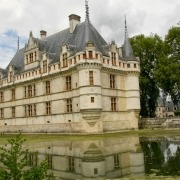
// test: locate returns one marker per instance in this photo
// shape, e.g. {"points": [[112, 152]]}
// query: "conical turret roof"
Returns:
{"points": [[127, 48]]}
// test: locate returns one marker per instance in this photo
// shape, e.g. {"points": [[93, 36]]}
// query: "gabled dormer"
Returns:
{"points": [[64, 54], [32, 53], [113, 52]]}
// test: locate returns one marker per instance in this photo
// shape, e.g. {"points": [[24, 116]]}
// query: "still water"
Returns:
{"points": [[109, 158]]}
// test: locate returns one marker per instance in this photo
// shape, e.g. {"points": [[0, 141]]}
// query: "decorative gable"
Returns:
{"points": [[113, 53], [32, 53], [64, 54]]}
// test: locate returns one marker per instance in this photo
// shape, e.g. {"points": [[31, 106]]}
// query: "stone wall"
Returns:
{"points": [[173, 122]]}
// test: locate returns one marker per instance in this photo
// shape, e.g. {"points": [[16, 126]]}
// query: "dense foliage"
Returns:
{"points": [[148, 49], [15, 165], [160, 68], [167, 70]]}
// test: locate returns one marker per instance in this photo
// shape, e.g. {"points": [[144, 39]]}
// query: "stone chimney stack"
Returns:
{"points": [[73, 21], [43, 34]]}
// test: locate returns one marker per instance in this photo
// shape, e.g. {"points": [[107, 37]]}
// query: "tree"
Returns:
{"points": [[171, 166], [148, 49], [15, 163], [167, 69], [153, 157]]}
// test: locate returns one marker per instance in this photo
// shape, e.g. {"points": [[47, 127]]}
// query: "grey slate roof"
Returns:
{"points": [[128, 54], [76, 42], [52, 44]]}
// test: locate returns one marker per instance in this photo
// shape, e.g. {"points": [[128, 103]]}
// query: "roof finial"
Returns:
{"points": [[126, 32], [18, 44], [87, 11]]}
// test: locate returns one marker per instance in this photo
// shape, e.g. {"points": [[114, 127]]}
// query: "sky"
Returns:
{"points": [[19, 17]]}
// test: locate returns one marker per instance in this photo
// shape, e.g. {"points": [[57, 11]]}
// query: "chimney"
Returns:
{"points": [[73, 21], [43, 34]]}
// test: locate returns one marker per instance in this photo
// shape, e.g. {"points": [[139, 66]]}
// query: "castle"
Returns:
{"points": [[71, 82]]}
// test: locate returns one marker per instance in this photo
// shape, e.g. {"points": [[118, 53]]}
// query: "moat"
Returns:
{"points": [[107, 157]]}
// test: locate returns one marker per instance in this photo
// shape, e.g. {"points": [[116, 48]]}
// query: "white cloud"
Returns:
{"points": [[143, 17]]}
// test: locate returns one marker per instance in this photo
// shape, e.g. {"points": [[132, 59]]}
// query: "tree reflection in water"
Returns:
{"points": [[158, 162]]}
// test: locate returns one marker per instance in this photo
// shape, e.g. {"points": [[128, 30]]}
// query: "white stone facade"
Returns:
{"points": [[84, 92]]}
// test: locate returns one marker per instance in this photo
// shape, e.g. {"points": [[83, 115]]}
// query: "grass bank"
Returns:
{"points": [[73, 137]]}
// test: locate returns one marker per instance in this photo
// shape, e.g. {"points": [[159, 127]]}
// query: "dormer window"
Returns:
{"points": [[84, 56], [11, 76], [44, 66], [113, 58], [31, 57], [90, 54], [35, 56], [65, 64]]}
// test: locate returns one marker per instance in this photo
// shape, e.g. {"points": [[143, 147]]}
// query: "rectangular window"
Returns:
{"points": [[134, 65], [65, 60], [30, 110], [34, 90], [71, 164], [84, 56], [25, 111], [113, 58], [68, 83], [91, 78], [29, 91], [92, 99], [116, 161], [113, 104], [31, 159], [95, 170], [31, 57], [48, 87], [48, 108], [13, 93], [44, 66], [1, 96], [112, 81], [1, 113], [34, 110], [69, 105], [11, 76], [128, 66], [25, 93], [90, 54], [13, 112]]}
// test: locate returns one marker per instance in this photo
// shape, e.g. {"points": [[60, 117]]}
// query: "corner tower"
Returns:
{"points": [[132, 82], [90, 82]]}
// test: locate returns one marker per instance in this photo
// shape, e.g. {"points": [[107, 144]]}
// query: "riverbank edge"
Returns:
{"points": [[141, 132]]}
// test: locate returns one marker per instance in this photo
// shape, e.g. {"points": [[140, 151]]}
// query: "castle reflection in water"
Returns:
{"points": [[103, 158]]}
